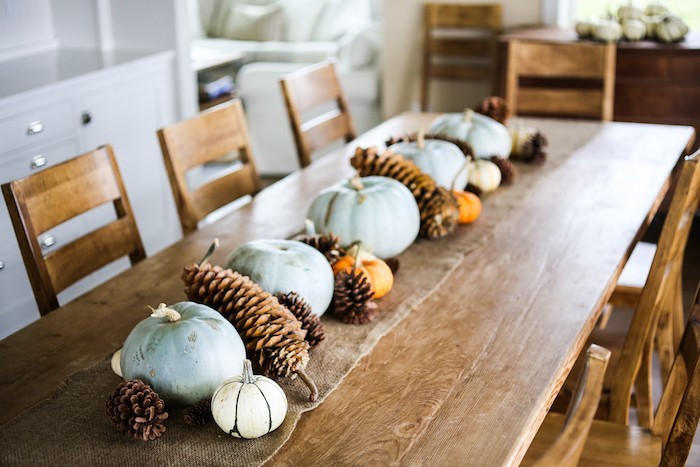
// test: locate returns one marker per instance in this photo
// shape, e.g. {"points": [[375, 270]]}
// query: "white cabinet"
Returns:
{"points": [[110, 101]]}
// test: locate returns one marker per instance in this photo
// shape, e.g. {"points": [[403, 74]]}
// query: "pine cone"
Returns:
{"points": [[137, 410], [507, 169], [271, 333], [529, 145], [474, 189], [465, 147], [438, 207], [328, 244], [496, 108], [352, 299], [309, 321], [199, 414], [393, 264]]}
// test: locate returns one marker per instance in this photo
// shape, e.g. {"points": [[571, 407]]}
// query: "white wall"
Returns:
{"points": [[25, 25], [402, 56]]}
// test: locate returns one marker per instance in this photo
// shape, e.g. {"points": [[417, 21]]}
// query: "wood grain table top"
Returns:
{"points": [[468, 376]]}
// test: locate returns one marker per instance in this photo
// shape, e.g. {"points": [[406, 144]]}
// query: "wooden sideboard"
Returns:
{"points": [[654, 82]]}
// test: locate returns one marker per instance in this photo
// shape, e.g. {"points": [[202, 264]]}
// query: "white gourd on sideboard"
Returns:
{"points": [[58, 101]]}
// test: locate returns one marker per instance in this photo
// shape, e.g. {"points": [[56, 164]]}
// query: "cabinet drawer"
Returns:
{"points": [[29, 162], [36, 125]]}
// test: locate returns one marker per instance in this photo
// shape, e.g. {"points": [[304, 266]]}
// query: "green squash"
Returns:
{"points": [[486, 136], [378, 211], [184, 352]]}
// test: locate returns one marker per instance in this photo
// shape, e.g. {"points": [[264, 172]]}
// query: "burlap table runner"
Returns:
{"points": [[72, 428]]}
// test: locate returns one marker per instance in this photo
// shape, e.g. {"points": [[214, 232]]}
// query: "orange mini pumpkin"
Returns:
{"points": [[469, 206], [377, 271]]}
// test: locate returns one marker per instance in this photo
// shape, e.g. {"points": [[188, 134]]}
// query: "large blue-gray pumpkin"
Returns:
{"points": [[378, 211], [286, 266], [442, 160], [184, 351], [485, 135]]}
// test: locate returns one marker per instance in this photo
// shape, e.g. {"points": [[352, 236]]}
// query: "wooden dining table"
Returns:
{"points": [[468, 376]]}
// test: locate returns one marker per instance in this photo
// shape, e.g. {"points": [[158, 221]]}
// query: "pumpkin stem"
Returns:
{"points": [[357, 246], [468, 115], [309, 384], [164, 312], [420, 139], [309, 227], [214, 245], [356, 183], [247, 372]]}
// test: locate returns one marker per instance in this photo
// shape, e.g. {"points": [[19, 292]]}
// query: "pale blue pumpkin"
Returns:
{"points": [[485, 135], [286, 266], [184, 351], [378, 211], [442, 160]]}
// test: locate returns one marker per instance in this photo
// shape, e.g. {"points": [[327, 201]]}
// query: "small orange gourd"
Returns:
{"points": [[377, 271], [469, 206]]}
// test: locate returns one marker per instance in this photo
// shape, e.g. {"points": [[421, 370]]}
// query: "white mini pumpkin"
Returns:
{"points": [[634, 29], [286, 266], [584, 28], [651, 23], [116, 365], [485, 135], [671, 29], [629, 11], [485, 175], [656, 9], [608, 30], [249, 406], [378, 211], [442, 160]]}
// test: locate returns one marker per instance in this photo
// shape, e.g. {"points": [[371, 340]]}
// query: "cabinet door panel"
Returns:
{"points": [[127, 116]]}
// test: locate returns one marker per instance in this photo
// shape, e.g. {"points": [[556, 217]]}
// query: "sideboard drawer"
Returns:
{"points": [[29, 162], [36, 125]]}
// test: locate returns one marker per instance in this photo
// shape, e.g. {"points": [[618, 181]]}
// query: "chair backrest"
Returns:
{"points": [[206, 138], [567, 449], [463, 39], [660, 292], [677, 417], [44, 200], [561, 79], [306, 90]]}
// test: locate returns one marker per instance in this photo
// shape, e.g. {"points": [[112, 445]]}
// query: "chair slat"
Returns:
{"points": [[71, 188], [459, 72], [445, 15], [473, 47], [89, 253], [325, 129], [560, 60], [225, 189], [571, 102]]}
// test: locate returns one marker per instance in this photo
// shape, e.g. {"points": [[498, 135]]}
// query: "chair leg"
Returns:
{"points": [[664, 343], [677, 316], [643, 391], [605, 316]]}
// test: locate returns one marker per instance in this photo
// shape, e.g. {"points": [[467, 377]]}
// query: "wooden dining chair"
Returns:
{"points": [[566, 449], [459, 43], [46, 199], [657, 320], [561, 79], [306, 90], [205, 138], [669, 439]]}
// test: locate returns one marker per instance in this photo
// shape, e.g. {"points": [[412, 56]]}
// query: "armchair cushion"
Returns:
{"points": [[244, 21], [340, 17]]}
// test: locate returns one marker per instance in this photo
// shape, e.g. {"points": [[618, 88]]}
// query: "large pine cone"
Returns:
{"points": [[137, 410], [309, 321], [438, 207], [271, 333], [352, 299], [507, 169]]}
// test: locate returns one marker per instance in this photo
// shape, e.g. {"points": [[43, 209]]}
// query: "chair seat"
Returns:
{"points": [[607, 444], [638, 266]]}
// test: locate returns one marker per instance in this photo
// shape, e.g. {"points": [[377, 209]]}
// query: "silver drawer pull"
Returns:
{"points": [[2, 265], [48, 241], [38, 161], [35, 127]]}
